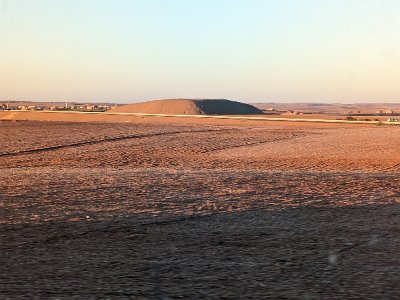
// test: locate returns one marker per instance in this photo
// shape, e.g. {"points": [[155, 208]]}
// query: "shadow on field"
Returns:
{"points": [[307, 252]]}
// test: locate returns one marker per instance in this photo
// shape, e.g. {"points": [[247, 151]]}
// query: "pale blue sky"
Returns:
{"points": [[248, 50]]}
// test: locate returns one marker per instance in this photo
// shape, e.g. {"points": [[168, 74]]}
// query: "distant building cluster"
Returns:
{"points": [[52, 107], [292, 113], [273, 111], [385, 112]]}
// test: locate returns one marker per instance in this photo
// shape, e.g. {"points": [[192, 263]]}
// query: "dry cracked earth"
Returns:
{"points": [[210, 211]]}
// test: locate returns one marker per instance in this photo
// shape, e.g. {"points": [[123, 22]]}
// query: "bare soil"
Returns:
{"points": [[150, 210]]}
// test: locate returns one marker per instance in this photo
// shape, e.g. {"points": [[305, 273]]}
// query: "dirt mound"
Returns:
{"points": [[190, 107]]}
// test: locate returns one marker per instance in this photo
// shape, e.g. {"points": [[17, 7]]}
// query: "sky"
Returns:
{"points": [[247, 50]]}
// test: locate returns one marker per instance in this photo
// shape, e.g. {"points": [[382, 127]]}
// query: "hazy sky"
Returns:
{"points": [[249, 50]]}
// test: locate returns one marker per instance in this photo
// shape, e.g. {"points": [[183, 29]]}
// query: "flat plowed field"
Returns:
{"points": [[206, 211]]}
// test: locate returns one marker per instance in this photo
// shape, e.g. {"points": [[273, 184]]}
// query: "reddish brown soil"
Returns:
{"points": [[156, 211]]}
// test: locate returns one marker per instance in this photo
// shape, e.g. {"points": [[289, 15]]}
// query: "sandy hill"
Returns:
{"points": [[190, 107]]}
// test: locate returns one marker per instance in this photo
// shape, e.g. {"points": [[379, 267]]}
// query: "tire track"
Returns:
{"points": [[103, 140]]}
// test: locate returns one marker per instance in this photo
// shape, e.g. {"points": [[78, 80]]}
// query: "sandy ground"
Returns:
{"points": [[150, 210]]}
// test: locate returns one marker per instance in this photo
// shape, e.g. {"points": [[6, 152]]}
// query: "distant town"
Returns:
{"points": [[55, 106]]}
